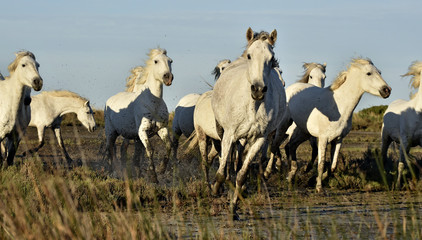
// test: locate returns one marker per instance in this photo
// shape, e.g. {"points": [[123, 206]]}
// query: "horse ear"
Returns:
{"points": [[86, 104], [325, 64], [273, 37], [305, 65], [249, 34]]}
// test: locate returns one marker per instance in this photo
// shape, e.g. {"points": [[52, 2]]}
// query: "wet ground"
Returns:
{"points": [[280, 214]]}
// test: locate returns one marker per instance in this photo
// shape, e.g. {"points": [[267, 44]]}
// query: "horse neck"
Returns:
{"points": [[347, 97], [65, 105], [17, 90], [155, 86], [418, 99]]}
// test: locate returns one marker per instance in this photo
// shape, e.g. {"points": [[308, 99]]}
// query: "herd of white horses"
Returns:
{"points": [[248, 111]]}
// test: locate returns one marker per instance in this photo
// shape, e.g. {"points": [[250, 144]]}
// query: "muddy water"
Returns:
{"points": [[339, 215]]}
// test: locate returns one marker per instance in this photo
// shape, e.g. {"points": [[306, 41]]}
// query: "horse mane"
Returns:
{"points": [[308, 67], [12, 66], [342, 76], [140, 74], [64, 93], [415, 71], [133, 79]]}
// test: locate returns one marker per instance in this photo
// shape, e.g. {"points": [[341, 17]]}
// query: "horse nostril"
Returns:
{"points": [[264, 89], [253, 88], [166, 76]]}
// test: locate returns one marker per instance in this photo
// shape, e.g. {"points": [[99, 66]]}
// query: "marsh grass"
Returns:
{"points": [[41, 198]]}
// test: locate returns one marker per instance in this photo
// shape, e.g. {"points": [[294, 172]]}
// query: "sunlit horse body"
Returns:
{"points": [[248, 101], [15, 98], [326, 113], [402, 122], [48, 109], [143, 113], [183, 121], [314, 73]]}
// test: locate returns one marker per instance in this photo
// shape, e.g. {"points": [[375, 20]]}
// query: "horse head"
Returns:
{"points": [[86, 116], [260, 59], [370, 78], [162, 66], [314, 74], [220, 68], [25, 68]]}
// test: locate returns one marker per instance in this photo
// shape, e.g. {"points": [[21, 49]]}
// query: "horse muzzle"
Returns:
{"points": [[258, 92], [385, 91], [37, 83], [168, 79]]}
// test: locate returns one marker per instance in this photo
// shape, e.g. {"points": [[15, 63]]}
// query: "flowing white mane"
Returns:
{"points": [[140, 74], [414, 71]]}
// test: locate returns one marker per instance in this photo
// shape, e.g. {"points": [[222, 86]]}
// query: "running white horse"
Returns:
{"points": [[403, 123], [48, 109], [183, 121], [326, 113], [248, 101], [23, 74], [143, 113], [314, 73]]}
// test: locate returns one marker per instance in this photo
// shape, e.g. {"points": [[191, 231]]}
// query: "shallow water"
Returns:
{"points": [[347, 215]]}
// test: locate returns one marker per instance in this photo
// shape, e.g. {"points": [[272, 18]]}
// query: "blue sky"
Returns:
{"points": [[89, 46]]}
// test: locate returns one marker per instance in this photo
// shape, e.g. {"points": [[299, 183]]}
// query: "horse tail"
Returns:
{"points": [[193, 142]]}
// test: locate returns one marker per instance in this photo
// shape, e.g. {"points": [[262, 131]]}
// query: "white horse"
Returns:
{"points": [[183, 121], [326, 113], [15, 99], [143, 113], [48, 109], [314, 73], [248, 101], [402, 122]]}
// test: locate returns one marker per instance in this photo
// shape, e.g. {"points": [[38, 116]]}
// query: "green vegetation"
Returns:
{"points": [[369, 119]]}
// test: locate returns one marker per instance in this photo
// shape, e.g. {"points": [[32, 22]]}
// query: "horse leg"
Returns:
{"points": [[335, 149], [214, 151], [385, 143], [41, 133], [58, 134], [404, 155], [13, 146], [322, 146], [111, 148], [314, 145], [226, 147], [123, 149], [203, 145], [175, 142], [241, 174], [143, 136], [136, 160], [164, 135], [279, 138]]}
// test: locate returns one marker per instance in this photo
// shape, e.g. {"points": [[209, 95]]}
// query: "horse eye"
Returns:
{"points": [[23, 65], [310, 77], [369, 73], [249, 56], [155, 61]]}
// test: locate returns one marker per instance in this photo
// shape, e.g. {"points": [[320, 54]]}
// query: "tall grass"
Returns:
{"points": [[42, 200]]}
